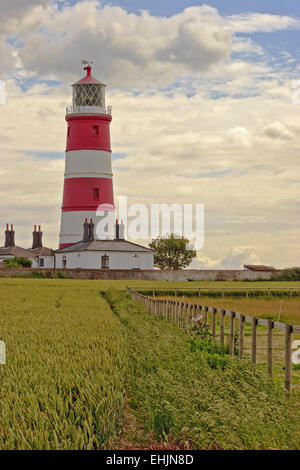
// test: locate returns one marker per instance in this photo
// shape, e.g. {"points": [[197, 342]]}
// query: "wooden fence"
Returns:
{"points": [[184, 315], [223, 290]]}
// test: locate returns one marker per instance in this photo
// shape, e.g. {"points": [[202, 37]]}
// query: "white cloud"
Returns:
{"points": [[234, 258], [261, 22], [239, 137], [128, 49], [278, 130]]}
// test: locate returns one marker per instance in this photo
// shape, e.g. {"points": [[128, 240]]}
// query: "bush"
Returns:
{"points": [[37, 274], [215, 355], [17, 262]]}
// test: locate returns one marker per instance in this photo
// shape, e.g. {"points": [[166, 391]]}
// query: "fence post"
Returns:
{"points": [[191, 315], [195, 313], [254, 336], [288, 356], [270, 345], [185, 316], [214, 313], [241, 337], [231, 334], [205, 315], [179, 313], [222, 318]]}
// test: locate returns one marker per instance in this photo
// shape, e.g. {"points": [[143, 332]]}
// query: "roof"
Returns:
{"points": [[16, 251], [88, 78], [259, 267], [42, 251], [105, 245]]}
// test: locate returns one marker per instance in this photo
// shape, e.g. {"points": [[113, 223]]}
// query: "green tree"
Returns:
{"points": [[172, 252], [17, 262]]}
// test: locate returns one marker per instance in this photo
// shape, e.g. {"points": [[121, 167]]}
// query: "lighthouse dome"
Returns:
{"points": [[88, 95]]}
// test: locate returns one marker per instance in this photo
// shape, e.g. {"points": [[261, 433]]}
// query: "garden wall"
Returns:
{"points": [[151, 275]]}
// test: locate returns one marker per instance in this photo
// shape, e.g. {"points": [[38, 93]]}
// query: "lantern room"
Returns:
{"points": [[88, 95]]}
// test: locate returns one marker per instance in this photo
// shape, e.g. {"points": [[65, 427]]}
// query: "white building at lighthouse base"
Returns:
{"points": [[104, 254]]}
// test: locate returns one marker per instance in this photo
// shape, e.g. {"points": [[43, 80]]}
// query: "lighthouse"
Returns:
{"points": [[88, 183]]}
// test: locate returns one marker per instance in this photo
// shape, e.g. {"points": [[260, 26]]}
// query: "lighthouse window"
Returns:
{"points": [[96, 130], [96, 193], [69, 128], [104, 261]]}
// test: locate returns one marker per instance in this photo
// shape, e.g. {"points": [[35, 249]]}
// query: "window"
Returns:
{"points": [[69, 129], [96, 193], [64, 262], [42, 262], [104, 262], [96, 130]]}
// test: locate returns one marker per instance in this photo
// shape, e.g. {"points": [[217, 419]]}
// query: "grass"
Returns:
{"points": [[88, 372], [261, 307], [180, 397], [64, 382]]}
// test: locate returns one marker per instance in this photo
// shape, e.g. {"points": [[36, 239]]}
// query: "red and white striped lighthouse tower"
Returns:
{"points": [[88, 174]]}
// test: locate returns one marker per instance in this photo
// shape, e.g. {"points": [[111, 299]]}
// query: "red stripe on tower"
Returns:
{"points": [[87, 193], [88, 178]]}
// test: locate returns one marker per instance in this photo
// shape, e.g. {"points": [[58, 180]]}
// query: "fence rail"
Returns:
{"points": [[223, 290], [185, 314]]}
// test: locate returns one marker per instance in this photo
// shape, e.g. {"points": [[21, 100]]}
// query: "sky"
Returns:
{"points": [[206, 110]]}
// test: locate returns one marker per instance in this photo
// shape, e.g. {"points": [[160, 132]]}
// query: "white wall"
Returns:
{"points": [[117, 260], [48, 262]]}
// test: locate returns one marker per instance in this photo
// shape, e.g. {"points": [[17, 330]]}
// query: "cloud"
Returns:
{"points": [[238, 137], [261, 22], [234, 258], [278, 130], [128, 49]]}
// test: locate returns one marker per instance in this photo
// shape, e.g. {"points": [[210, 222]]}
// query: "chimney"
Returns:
{"points": [[117, 236], [121, 231], [7, 237], [91, 236], [34, 238], [37, 235], [85, 231], [40, 238], [12, 236]]}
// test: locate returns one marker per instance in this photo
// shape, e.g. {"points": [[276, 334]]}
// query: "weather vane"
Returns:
{"points": [[86, 62]]}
